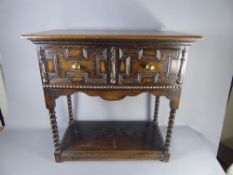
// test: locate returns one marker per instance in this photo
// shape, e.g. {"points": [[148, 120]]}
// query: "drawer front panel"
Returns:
{"points": [[111, 65], [148, 66], [76, 64]]}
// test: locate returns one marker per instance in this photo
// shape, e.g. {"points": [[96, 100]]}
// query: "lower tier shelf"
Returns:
{"points": [[112, 140]]}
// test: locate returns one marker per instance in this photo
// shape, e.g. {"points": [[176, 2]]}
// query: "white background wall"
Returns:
{"points": [[209, 68]]}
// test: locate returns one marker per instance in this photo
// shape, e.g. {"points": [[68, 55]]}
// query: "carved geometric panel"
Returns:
{"points": [[78, 65], [148, 66], [114, 65]]}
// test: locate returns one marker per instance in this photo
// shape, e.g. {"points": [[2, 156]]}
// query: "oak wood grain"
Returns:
{"points": [[112, 140], [112, 65], [111, 35]]}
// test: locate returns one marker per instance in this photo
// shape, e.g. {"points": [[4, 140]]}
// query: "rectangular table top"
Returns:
{"points": [[111, 34]]}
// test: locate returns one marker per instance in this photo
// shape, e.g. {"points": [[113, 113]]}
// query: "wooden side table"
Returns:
{"points": [[112, 65]]}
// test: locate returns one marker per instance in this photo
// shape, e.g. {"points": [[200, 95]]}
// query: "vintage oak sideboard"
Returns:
{"points": [[112, 65]]}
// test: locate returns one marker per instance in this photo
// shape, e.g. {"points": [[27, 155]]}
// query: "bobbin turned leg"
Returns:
{"points": [[156, 110], [173, 107], [69, 102], [50, 104]]}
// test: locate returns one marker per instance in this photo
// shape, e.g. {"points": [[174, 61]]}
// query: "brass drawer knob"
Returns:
{"points": [[76, 66], [150, 67]]}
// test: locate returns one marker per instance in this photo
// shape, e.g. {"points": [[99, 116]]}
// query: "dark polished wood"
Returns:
{"points": [[112, 65], [112, 140], [69, 102], [111, 35], [156, 110]]}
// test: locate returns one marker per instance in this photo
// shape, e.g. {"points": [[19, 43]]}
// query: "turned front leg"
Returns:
{"points": [[156, 110], [69, 102], [50, 104], [173, 107]]}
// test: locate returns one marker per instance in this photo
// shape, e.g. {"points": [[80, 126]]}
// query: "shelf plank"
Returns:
{"points": [[112, 140]]}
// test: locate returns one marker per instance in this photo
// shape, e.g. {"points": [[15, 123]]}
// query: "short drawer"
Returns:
{"points": [[74, 64], [148, 65]]}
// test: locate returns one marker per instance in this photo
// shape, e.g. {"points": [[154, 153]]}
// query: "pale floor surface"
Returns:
{"points": [[30, 152]]}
